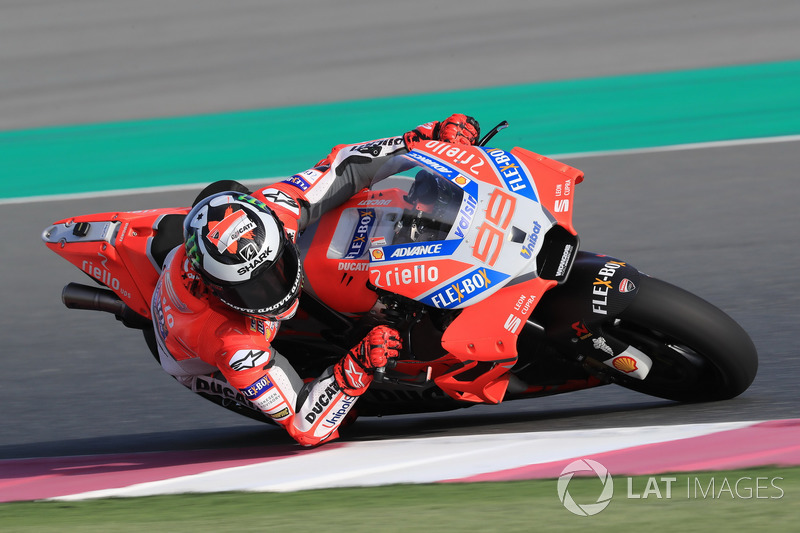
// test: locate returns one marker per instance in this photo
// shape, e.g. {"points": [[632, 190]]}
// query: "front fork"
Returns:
{"points": [[576, 315]]}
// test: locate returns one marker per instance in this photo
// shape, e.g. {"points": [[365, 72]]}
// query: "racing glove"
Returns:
{"points": [[354, 371], [457, 128]]}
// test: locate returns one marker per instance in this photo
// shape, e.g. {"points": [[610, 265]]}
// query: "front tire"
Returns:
{"points": [[699, 353]]}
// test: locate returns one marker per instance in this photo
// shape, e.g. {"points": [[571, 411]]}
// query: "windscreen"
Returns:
{"points": [[434, 201]]}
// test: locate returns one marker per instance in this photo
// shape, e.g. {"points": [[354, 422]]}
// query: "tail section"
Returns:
{"points": [[121, 251]]}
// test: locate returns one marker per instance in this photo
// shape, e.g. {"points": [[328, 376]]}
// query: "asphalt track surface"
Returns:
{"points": [[720, 222]]}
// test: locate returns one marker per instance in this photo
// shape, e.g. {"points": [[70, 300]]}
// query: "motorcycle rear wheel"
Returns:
{"points": [[699, 353]]}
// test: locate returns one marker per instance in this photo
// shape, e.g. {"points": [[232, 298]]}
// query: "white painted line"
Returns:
{"points": [[424, 460], [197, 187], [264, 181], [680, 147]]}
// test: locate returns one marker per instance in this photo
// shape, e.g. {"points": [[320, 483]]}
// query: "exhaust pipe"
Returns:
{"points": [[78, 296]]}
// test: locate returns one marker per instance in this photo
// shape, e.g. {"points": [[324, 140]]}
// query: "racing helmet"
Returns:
{"points": [[240, 250]]}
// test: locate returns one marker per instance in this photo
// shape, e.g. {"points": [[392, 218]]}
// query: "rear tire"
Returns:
{"points": [[699, 353]]}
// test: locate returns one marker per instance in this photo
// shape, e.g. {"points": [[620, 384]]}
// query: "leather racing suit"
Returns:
{"points": [[199, 337]]}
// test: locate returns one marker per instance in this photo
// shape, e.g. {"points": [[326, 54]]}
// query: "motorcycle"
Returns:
{"points": [[471, 254]]}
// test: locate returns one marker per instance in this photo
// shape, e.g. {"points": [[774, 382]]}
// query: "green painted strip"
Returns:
{"points": [[596, 114]]}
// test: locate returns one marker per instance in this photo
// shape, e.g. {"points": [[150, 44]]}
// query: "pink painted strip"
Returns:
{"points": [[767, 443], [34, 479]]}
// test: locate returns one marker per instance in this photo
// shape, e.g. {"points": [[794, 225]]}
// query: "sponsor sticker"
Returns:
{"points": [[625, 364], [417, 251], [445, 170], [225, 234], [358, 244], [304, 180], [511, 172], [245, 359], [298, 182], [267, 328], [257, 388], [626, 285], [282, 413], [464, 288], [602, 284]]}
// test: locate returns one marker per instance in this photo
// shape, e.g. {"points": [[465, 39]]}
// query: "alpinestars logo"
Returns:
{"points": [[354, 375], [244, 359], [281, 198]]}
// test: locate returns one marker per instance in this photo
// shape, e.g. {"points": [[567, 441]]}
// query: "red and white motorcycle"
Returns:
{"points": [[471, 254]]}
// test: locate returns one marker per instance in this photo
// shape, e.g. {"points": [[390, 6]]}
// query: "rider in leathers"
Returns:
{"points": [[220, 297]]}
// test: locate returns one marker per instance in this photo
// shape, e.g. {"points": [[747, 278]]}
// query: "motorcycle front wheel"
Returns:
{"points": [[699, 353]]}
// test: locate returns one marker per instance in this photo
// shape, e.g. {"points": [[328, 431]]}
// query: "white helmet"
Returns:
{"points": [[239, 248]]}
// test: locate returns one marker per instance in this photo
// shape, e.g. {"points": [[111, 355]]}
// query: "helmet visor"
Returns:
{"points": [[270, 291]]}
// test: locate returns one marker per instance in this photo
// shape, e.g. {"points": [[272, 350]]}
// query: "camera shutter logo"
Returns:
{"points": [[585, 465]]}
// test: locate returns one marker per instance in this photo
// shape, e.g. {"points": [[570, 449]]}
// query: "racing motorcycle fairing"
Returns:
{"points": [[477, 206], [454, 228], [486, 334], [555, 183], [122, 251]]}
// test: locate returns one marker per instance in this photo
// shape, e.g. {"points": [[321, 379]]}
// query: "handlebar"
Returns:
{"points": [[380, 372]]}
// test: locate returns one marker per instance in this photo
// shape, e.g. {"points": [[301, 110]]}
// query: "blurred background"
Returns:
{"points": [[102, 94], [81, 61]]}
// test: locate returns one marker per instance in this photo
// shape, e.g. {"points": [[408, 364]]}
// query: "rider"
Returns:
{"points": [[220, 298]]}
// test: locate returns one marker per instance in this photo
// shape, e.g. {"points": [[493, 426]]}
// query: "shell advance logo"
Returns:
{"points": [[415, 251], [465, 288]]}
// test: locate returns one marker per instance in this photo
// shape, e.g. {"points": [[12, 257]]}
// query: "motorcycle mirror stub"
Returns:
{"points": [[491, 133]]}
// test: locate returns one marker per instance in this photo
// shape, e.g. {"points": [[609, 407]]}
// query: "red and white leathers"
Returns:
{"points": [[198, 336]]}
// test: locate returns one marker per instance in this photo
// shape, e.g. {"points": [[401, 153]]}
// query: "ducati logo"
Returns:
{"points": [[225, 234]]}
